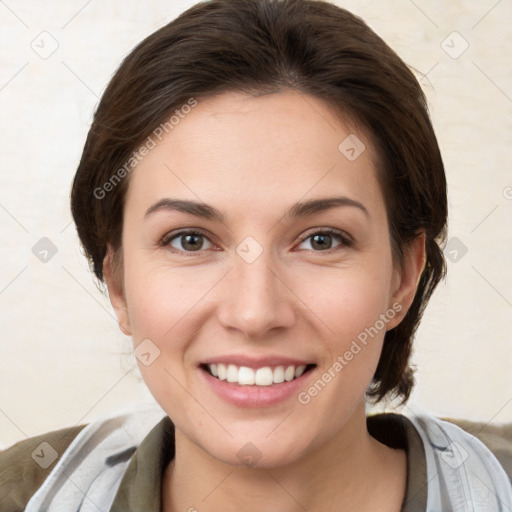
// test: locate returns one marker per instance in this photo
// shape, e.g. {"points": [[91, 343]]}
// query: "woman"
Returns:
{"points": [[263, 194]]}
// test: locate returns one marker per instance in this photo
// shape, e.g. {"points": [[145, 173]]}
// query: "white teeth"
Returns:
{"points": [[289, 373], [278, 375], [221, 369], [232, 373], [299, 370], [265, 376], [246, 376]]}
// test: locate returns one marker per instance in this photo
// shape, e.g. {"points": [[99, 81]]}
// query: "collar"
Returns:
{"points": [[141, 486]]}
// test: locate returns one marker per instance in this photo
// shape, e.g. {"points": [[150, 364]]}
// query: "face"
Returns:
{"points": [[260, 312]]}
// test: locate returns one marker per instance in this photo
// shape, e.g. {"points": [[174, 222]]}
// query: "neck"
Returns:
{"points": [[352, 469]]}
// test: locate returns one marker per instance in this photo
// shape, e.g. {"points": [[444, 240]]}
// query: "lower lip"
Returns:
{"points": [[255, 396]]}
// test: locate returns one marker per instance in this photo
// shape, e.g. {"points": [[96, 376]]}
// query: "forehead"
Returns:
{"points": [[258, 151]]}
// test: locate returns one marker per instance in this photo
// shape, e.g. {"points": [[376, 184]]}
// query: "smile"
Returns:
{"points": [[263, 376]]}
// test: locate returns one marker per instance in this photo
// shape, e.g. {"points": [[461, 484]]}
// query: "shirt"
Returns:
{"points": [[22, 474]]}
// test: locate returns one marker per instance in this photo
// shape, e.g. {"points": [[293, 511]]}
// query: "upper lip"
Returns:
{"points": [[257, 362]]}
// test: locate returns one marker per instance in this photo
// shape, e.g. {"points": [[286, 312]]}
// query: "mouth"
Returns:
{"points": [[263, 376]]}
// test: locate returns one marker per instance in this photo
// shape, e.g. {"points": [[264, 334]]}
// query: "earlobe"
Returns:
{"points": [[408, 277], [114, 281]]}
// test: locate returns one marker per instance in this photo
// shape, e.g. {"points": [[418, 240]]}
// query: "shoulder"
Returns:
{"points": [[98, 454], [25, 465], [497, 438]]}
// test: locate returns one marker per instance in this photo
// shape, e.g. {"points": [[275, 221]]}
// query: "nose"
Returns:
{"points": [[255, 299]]}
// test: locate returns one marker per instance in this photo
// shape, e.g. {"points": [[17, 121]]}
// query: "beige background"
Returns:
{"points": [[63, 360]]}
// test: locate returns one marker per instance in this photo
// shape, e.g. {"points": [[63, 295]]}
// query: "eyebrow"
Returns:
{"points": [[300, 209]]}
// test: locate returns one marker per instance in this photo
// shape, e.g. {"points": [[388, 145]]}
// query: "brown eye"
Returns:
{"points": [[187, 241], [323, 240]]}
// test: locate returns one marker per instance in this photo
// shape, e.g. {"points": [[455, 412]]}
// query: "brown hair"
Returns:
{"points": [[260, 47]]}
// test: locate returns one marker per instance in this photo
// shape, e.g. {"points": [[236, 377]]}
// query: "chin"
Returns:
{"points": [[261, 452]]}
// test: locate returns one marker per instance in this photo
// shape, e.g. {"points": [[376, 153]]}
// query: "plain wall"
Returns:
{"points": [[63, 360]]}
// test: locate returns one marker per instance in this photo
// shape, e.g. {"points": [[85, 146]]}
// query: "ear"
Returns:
{"points": [[407, 278], [114, 280]]}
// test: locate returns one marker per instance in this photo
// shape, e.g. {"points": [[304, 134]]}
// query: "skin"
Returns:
{"points": [[252, 158]]}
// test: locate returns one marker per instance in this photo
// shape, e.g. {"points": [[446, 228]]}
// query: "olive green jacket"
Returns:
{"points": [[26, 465]]}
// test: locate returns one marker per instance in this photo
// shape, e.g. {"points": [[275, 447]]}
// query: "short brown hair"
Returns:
{"points": [[266, 46]]}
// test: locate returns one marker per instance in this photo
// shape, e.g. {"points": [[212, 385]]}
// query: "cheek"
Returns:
{"points": [[163, 305], [157, 301], [347, 300], [353, 310], [167, 305], [352, 307]]}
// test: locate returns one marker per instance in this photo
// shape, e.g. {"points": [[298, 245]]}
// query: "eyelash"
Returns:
{"points": [[345, 240]]}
